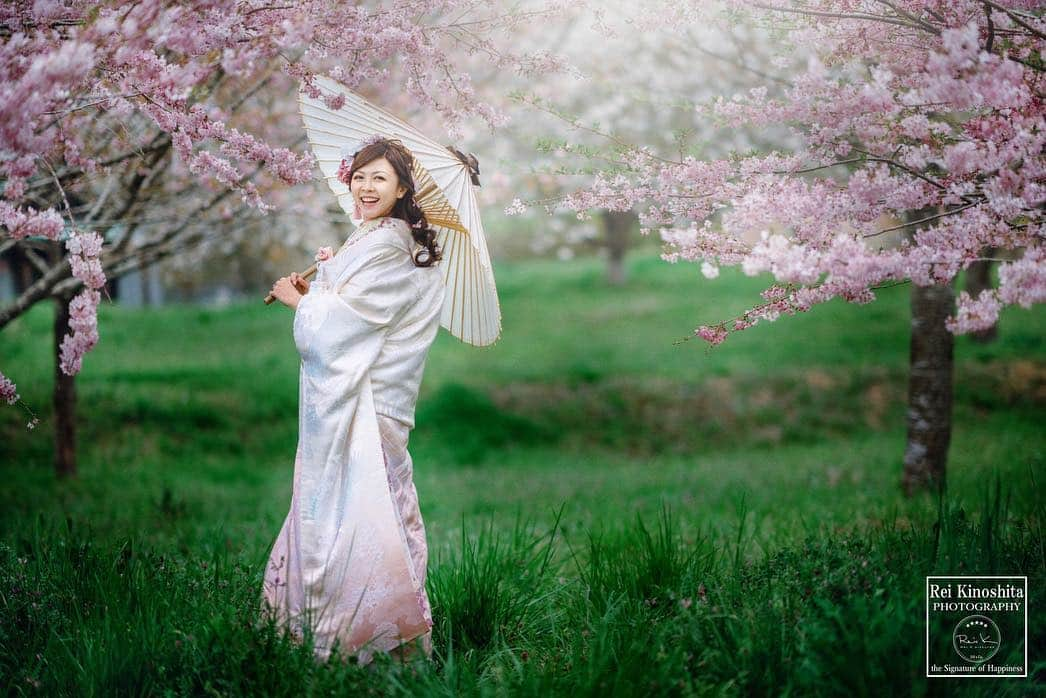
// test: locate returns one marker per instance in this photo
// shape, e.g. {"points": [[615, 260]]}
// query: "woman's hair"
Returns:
{"points": [[406, 208]]}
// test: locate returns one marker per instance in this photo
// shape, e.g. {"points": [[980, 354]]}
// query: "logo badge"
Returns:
{"points": [[976, 639], [976, 626]]}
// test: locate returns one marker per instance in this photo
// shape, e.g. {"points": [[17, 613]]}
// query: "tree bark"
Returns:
{"points": [[929, 389], [64, 398], [617, 230], [22, 272], [979, 278]]}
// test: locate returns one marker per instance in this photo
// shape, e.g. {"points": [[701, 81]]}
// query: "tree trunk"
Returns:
{"points": [[929, 389], [146, 275], [64, 398], [979, 278], [112, 289], [617, 230], [22, 272]]}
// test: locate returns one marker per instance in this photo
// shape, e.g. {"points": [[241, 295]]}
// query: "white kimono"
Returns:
{"points": [[350, 558]]}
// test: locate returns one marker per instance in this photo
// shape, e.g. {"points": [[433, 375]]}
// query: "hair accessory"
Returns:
{"points": [[343, 171], [348, 154], [349, 150]]}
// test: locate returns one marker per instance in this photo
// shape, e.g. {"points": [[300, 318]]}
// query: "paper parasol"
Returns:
{"points": [[444, 184]]}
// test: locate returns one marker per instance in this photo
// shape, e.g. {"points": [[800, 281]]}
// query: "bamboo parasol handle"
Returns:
{"points": [[307, 274]]}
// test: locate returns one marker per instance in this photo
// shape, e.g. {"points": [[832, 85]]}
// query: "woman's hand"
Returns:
{"points": [[285, 291], [299, 282]]}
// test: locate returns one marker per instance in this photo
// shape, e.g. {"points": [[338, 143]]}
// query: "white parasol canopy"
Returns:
{"points": [[443, 182]]}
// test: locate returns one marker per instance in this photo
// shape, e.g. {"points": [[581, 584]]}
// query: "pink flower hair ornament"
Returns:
{"points": [[348, 153]]}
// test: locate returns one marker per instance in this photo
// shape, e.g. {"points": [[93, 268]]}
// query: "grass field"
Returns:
{"points": [[609, 512]]}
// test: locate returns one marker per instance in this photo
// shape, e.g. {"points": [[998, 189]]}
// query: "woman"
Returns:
{"points": [[350, 559]]}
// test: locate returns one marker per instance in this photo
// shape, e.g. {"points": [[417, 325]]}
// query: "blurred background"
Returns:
{"points": [[595, 409]]}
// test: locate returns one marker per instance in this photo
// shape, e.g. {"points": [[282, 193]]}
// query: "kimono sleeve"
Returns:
{"points": [[344, 328]]}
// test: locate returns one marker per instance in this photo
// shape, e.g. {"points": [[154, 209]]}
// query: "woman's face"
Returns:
{"points": [[375, 187]]}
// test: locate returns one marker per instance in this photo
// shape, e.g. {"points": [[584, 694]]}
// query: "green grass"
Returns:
{"points": [[544, 466], [638, 610]]}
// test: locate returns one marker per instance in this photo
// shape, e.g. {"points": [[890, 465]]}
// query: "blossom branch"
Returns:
{"points": [[848, 15], [927, 219], [1015, 17]]}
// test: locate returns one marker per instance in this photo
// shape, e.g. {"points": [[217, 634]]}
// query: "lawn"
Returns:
{"points": [[664, 481]]}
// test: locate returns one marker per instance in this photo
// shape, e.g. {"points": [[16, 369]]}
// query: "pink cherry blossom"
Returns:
{"points": [[1024, 282], [8, 390], [904, 111], [83, 320], [712, 335], [95, 98], [976, 314], [84, 249]]}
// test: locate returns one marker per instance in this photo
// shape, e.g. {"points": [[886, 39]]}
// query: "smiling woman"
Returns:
{"points": [[350, 560], [376, 188], [380, 180]]}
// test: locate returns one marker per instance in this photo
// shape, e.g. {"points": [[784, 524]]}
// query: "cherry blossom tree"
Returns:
{"points": [[130, 132], [628, 84], [924, 112]]}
